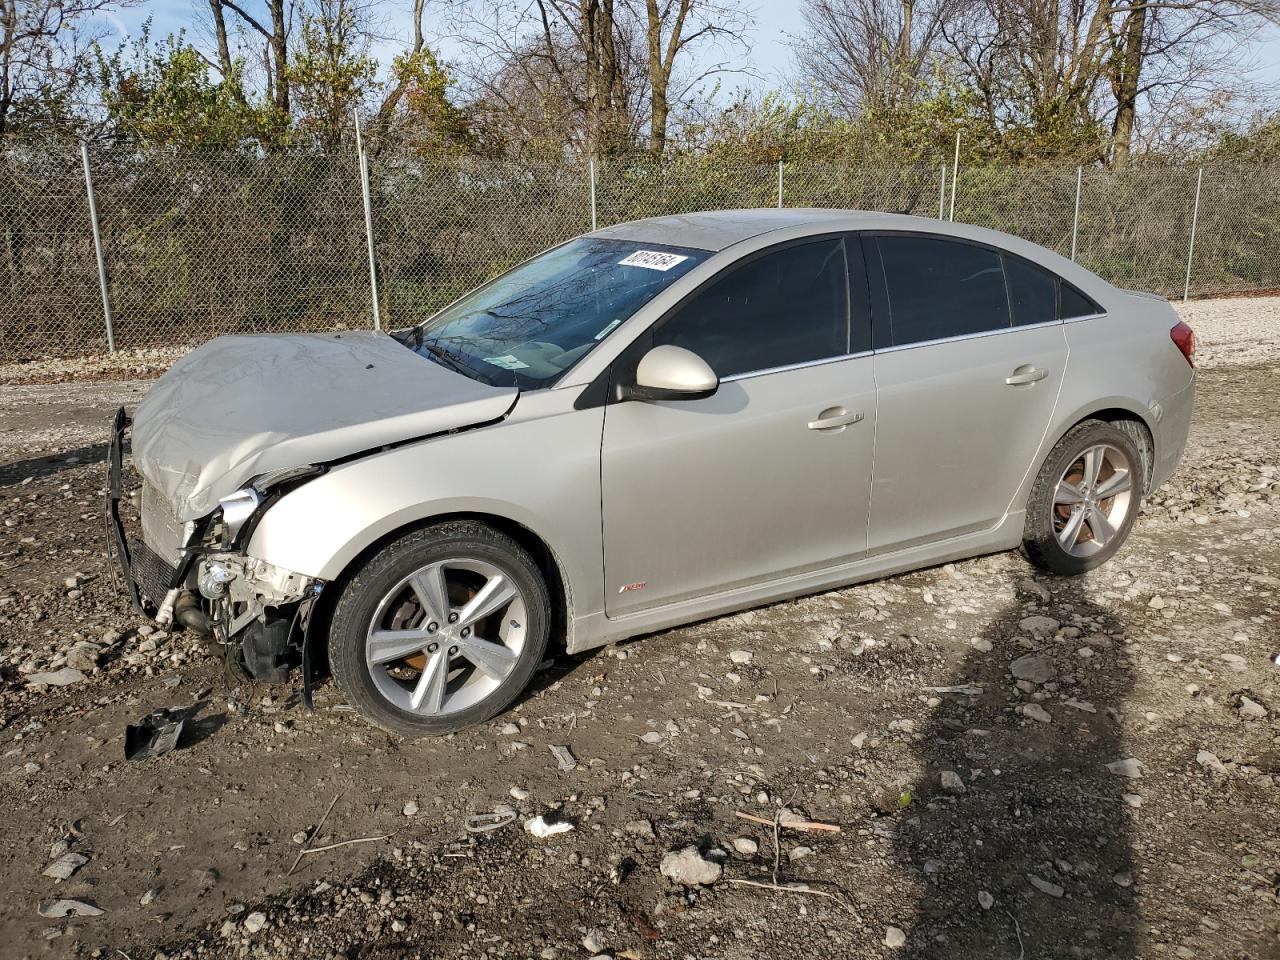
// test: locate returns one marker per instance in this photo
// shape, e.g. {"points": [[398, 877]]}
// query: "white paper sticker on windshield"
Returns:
{"points": [[507, 362], [652, 260]]}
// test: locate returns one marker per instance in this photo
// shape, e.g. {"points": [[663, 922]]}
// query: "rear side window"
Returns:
{"points": [[1033, 293], [1076, 304], [940, 288], [785, 307]]}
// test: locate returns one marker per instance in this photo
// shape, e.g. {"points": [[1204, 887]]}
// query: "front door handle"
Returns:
{"points": [[1025, 375], [834, 419]]}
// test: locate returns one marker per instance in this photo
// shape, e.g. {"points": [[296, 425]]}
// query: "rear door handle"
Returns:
{"points": [[834, 420], [1026, 374]]}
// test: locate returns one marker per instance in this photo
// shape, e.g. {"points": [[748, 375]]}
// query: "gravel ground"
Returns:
{"points": [[1118, 801]]}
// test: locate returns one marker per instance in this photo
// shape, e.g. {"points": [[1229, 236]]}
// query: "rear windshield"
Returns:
{"points": [[530, 326]]}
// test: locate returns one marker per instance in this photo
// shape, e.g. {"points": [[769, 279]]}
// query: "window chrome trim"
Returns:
{"points": [[970, 336], [907, 346], [795, 366]]}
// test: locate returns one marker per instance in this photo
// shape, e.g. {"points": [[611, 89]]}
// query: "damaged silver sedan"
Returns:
{"points": [[648, 425]]}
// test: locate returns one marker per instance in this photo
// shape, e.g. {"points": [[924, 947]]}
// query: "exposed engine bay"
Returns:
{"points": [[195, 576]]}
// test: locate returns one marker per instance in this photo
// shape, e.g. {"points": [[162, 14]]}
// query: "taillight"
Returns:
{"points": [[1184, 338]]}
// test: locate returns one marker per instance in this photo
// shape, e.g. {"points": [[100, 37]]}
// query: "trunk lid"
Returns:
{"points": [[242, 405]]}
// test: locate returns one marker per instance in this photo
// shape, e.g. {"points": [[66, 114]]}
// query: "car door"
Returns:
{"points": [[770, 475], [970, 356]]}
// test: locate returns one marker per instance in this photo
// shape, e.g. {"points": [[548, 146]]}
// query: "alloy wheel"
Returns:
{"points": [[1092, 500], [446, 636]]}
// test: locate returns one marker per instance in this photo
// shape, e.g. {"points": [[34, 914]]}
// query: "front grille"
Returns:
{"points": [[153, 575], [161, 530]]}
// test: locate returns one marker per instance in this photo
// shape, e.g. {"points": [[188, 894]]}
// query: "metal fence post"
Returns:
{"points": [[591, 163], [942, 191], [1075, 219], [1191, 247], [955, 173], [368, 222], [97, 248], [779, 184]]}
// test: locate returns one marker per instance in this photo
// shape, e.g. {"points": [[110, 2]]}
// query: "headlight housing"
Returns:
{"points": [[237, 508]]}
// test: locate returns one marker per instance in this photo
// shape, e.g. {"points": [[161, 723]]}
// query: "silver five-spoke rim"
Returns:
{"points": [[446, 636], [1092, 500]]}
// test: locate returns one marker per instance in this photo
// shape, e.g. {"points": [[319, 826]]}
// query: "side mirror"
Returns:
{"points": [[672, 373]]}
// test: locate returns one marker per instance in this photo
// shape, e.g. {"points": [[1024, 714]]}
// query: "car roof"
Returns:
{"points": [[717, 229]]}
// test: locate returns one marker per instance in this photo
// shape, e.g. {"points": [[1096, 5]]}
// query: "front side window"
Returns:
{"points": [[941, 288], [530, 326], [786, 307]]}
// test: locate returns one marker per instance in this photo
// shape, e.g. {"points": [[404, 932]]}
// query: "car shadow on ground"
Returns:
{"points": [[12, 474], [1034, 857]]}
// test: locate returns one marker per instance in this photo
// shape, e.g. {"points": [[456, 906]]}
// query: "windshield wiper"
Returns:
{"points": [[443, 356]]}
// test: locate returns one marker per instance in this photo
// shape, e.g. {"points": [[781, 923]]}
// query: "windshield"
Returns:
{"points": [[529, 326]]}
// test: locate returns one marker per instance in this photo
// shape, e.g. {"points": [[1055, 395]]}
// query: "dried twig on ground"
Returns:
{"points": [[344, 843], [1022, 951], [808, 826], [790, 888], [313, 834], [777, 846]]}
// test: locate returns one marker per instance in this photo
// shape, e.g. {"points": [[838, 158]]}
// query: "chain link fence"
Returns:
{"points": [[199, 244]]}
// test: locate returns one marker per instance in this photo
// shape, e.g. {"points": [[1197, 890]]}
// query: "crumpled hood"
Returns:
{"points": [[242, 405]]}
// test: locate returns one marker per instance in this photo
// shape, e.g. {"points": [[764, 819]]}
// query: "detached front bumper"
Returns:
{"points": [[151, 581]]}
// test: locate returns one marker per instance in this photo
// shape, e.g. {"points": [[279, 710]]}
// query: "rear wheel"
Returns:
{"points": [[1085, 500], [441, 629]]}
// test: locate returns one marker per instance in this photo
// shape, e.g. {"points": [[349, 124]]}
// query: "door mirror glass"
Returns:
{"points": [[669, 372]]}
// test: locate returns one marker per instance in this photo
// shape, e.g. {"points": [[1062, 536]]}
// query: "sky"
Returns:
{"points": [[774, 22]]}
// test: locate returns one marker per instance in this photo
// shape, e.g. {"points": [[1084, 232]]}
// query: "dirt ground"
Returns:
{"points": [[847, 707]]}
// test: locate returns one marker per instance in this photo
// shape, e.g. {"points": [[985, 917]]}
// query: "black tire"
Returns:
{"points": [[362, 595], [1040, 541]]}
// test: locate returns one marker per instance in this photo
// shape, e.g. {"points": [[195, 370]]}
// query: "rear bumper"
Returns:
{"points": [[148, 578], [1171, 432]]}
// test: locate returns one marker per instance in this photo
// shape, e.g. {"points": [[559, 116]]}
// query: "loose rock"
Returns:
{"points": [[952, 782], [1033, 668], [58, 909], [255, 921], [1045, 886], [1129, 767], [1251, 709], [690, 868], [65, 866]]}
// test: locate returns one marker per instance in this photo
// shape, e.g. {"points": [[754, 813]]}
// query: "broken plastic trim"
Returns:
{"points": [[154, 735]]}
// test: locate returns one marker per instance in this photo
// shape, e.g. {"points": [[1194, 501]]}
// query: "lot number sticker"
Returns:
{"points": [[652, 260], [507, 362]]}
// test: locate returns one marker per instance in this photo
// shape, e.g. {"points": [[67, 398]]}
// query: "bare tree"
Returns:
{"points": [[44, 49], [396, 91], [870, 53], [1189, 49], [1073, 75], [276, 32], [568, 69], [608, 71], [217, 12], [671, 28]]}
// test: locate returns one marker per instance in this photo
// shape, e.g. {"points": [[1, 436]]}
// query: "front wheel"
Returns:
{"points": [[1085, 500], [441, 629]]}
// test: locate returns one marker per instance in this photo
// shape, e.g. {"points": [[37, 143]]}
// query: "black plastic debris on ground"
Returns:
{"points": [[154, 735]]}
